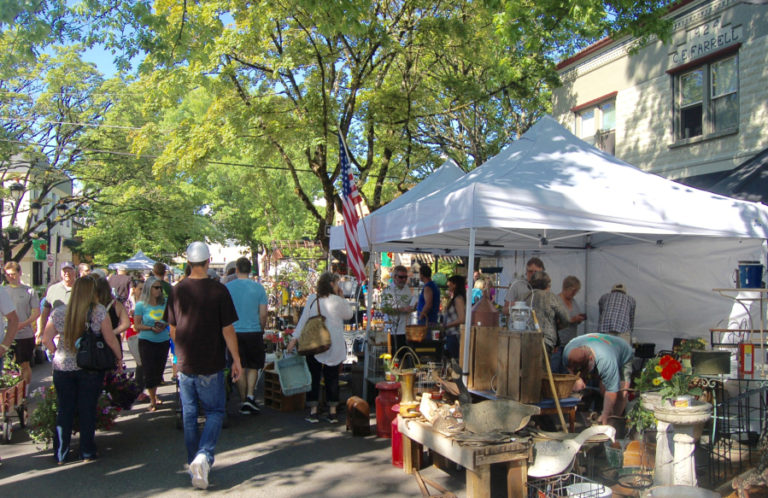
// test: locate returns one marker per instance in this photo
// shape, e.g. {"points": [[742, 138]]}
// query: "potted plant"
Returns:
{"points": [[662, 380], [670, 378], [42, 420]]}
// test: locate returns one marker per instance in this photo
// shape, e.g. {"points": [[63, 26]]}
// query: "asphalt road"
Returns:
{"points": [[272, 454]]}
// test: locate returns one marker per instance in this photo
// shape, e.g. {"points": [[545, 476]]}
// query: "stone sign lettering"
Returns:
{"points": [[705, 39]]}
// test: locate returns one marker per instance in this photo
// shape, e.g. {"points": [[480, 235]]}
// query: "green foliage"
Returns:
{"points": [[640, 418], [42, 420], [230, 130], [688, 345], [11, 374]]}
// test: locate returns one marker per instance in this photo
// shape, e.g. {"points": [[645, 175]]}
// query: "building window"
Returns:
{"points": [[708, 99], [597, 125]]}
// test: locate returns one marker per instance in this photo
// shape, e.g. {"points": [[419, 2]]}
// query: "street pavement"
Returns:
{"points": [[273, 454]]}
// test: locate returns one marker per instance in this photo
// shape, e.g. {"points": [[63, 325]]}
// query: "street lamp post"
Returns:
{"points": [[17, 191], [61, 209]]}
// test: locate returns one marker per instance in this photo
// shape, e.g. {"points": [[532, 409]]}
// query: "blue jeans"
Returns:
{"points": [[451, 346], [209, 391], [76, 390]]}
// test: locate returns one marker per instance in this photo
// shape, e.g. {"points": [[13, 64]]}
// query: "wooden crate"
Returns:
{"points": [[483, 345], [519, 366], [273, 395]]}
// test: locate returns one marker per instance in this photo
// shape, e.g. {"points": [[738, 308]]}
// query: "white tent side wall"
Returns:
{"points": [[672, 283]]}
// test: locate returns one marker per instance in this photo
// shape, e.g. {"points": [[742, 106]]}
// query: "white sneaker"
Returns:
{"points": [[199, 469]]}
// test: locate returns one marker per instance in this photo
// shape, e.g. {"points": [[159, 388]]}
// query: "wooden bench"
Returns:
{"points": [[476, 459]]}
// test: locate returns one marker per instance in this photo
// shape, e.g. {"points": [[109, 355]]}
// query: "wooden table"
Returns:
{"points": [[476, 460]]}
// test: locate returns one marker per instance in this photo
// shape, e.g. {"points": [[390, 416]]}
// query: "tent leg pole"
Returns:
{"points": [[369, 296], [468, 306]]}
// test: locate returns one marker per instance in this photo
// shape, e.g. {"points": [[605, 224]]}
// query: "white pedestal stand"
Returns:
{"points": [[683, 424]]}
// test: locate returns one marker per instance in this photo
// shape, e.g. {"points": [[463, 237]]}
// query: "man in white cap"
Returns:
{"points": [[201, 314], [57, 294], [617, 313]]}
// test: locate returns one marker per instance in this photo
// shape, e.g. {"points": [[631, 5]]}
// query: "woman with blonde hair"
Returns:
{"points": [[154, 336], [77, 389]]}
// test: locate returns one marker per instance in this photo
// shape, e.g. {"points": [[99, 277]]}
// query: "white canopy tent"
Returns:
{"points": [[551, 192]]}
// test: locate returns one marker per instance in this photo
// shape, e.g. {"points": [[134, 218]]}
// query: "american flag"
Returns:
{"points": [[349, 198]]}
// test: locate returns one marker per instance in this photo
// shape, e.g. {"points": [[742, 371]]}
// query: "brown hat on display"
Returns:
{"points": [[619, 288]]}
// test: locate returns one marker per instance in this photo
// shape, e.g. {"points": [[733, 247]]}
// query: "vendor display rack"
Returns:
{"points": [[757, 336], [739, 423]]}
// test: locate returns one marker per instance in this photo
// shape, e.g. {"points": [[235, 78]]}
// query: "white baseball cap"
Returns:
{"points": [[197, 252]]}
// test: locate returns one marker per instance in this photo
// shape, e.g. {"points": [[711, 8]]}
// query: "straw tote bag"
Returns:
{"points": [[315, 337]]}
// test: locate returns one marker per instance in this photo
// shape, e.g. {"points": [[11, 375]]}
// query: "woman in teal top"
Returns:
{"points": [[154, 336]]}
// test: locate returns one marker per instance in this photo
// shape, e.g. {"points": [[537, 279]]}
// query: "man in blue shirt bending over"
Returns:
{"points": [[612, 357]]}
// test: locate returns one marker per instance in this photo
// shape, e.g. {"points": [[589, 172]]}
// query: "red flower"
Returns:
{"points": [[670, 369], [665, 359]]}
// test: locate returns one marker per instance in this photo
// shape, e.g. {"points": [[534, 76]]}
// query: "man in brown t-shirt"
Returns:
{"points": [[121, 283], [201, 314]]}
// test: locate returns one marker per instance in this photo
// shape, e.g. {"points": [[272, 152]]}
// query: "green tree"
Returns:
{"points": [[137, 207], [402, 81], [46, 110]]}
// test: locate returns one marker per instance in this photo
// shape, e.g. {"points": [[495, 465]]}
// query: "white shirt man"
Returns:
{"points": [[396, 298]]}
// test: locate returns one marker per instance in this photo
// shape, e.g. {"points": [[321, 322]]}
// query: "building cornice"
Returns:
{"points": [[591, 57]]}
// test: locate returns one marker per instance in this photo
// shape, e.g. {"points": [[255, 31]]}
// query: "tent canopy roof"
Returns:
{"points": [[139, 261], [551, 189]]}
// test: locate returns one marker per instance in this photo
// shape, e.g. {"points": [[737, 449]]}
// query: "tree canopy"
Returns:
{"points": [[229, 126]]}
